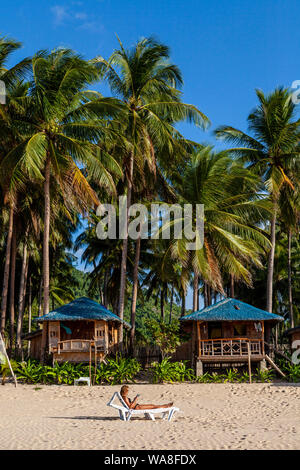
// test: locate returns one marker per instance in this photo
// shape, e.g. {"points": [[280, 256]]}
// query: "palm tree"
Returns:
{"points": [[62, 130], [230, 241], [271, 150], [144, 81], [15, 73], [10, 138], [289, 203]]}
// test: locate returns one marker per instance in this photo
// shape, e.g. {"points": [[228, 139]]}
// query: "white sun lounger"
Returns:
{"points": [[125, 412]]}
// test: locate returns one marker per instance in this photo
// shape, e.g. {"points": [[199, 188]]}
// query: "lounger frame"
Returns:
{"points": [[125, 412]]}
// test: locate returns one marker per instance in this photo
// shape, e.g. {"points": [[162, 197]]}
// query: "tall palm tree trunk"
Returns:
{"points": [[46, 238], [231, 286], [22, 293], [183, 304], [40, 297], [290, 291], [125, 249], [105, 287], [205, 295], [12, 290], [195, 292], [46, 271], [29, 312], [171, 303], [162, 304], [134, 292], [271, 265], [6, 269]]}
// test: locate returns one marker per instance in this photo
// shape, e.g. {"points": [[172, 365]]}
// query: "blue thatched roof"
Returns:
{"points": [[231, 310], [82, 308]]}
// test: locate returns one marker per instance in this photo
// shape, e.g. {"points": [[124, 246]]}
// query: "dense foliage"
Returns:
{"points": [[127, 370]]}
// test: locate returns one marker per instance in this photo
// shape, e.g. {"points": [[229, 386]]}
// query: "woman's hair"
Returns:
{"points": [[125, 388]]}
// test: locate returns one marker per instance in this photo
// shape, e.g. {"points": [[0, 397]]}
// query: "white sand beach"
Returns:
{"points": [[214, 416]]}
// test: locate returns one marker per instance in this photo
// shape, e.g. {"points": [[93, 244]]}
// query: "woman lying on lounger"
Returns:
{"points": [[132, 404]]}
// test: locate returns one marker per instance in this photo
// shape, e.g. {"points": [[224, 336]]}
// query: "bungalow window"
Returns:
{"points": [[215, 330], [240, 329]]}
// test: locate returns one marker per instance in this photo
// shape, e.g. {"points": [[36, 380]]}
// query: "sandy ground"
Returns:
{"points": [[214, 416]]}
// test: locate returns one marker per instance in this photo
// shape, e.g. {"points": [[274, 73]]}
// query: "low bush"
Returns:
{"points": [[118, 371], [115, 371], [166, 371], [292, 371]]}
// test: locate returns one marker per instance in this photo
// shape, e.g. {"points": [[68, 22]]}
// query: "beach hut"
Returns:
{"points": [[293, 335], [78, 329], [227, 333]]}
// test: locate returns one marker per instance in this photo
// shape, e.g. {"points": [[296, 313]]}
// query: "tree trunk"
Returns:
{"points": [[29, 312], [134, 292], [46, 271], [125, 249], [271, 264], [105, 286], [22, 293], [171, 303], [6, 269], [12, 290], [205, 295], [209, 295], [195, 292], [231, 286], [290, 291], [40, 297], [183, 304], [162, 304]]}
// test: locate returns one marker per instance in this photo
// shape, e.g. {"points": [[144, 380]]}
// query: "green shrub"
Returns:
{"points": [[166, 371], [165, 335], [205, 378], [231, 375], [117, 371], [292, 371], [29, 372], [264, 376], [5, 369]]}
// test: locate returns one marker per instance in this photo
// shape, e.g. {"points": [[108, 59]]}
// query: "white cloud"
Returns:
{"points": [[81, 15], [76, 17], [60, 14]]}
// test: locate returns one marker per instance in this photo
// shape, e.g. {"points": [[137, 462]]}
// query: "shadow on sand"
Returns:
{"points": [[285, 384], [107, 418]]}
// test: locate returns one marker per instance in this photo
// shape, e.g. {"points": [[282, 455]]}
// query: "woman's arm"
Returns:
{"points": [[129, 403]]}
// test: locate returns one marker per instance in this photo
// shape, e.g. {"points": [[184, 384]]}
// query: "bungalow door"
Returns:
{"points": [[100, 332], [54, 335]]}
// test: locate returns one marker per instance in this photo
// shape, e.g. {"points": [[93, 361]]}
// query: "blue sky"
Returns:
{"points": [[225, 49]]}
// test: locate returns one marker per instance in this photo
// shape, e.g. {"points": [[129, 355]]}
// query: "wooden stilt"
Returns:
{"points": [[90, 363], [274, 365], [249, 362], [95, 371]]}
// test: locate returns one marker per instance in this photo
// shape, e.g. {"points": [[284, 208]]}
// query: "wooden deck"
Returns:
{"points": [[80, 345], [80, 350], [230, 349]]}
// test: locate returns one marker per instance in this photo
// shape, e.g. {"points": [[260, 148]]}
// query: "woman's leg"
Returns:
{"points": [[152, 407]]}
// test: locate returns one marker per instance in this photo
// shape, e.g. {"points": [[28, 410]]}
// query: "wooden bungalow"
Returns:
{"points": [[228, 333], [80, 331], [293, 335]]}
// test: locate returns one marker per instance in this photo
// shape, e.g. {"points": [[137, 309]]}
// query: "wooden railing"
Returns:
{"points": [[79, 345], [230, 347]]}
